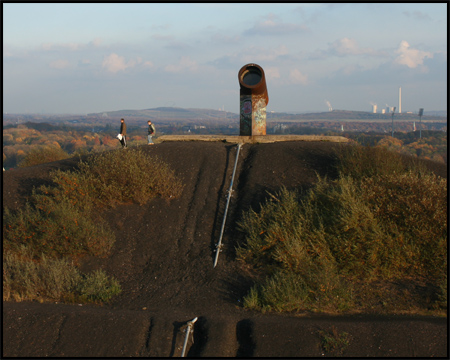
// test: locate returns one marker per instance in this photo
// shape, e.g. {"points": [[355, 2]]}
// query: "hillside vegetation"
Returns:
{"points": [[374, 240], [62, 223], [36, 143]]}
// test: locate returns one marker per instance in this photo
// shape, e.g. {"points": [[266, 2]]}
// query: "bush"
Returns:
{"points": [[52, 280], [115, 177], [56, 228], [62, 223], [25, 279], [42, 155], [97, 286], [359, 162], [322, 250]]}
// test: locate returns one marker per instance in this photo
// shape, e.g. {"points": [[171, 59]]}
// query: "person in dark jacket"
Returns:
{"points": [[151, 132], [123, 132]]}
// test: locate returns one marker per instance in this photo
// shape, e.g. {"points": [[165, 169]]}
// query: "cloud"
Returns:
{"points": [[69, 46], [272, 73], [347, 46], [224, 39], [84, 63], [265, 54], [162, 37], [185, 64], [96, 42], [409, 56], [7, 52], [148, 64], [72, 46], [296, 77], [273, 26], [177, 46], [59, 64], [114, 63], [417, 15]]}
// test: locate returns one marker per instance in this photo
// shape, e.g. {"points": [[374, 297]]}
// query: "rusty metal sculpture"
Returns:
{"points": [[253, 100]]}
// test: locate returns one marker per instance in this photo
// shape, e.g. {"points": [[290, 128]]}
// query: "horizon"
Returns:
{"points": [[86, 58], [407, 112]]}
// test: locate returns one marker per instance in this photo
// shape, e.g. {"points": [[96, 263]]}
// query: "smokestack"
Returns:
{"points": [[400, 100]]}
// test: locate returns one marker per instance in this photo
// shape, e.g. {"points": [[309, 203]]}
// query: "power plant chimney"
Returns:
{"points": [[400, 100]]}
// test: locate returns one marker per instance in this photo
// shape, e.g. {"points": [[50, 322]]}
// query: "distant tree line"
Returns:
{"points": [[19, 140]]}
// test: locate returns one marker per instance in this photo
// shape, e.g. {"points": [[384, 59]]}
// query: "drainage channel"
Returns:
{"points": [[230, 191], [190, 324]]}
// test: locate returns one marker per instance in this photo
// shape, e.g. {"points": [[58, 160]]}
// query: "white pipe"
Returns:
{"points": [[190, 324], [219, 244]]}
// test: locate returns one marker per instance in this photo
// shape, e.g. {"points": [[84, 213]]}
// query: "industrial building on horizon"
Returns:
{"points": [[389, 109]]}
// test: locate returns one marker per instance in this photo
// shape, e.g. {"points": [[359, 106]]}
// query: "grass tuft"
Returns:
{"points": [[333, 342]]}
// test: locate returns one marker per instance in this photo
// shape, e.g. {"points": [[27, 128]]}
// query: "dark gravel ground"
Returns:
{"points": [[163, 258]]}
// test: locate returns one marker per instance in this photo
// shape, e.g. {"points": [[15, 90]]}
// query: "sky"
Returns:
{"points": [[81, 58]]}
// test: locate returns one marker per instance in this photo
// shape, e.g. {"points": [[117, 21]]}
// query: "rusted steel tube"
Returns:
{"points": [[253, 81], [253, 100]]}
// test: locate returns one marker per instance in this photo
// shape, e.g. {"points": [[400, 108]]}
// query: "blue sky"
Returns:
{"points": [[84, 58]]}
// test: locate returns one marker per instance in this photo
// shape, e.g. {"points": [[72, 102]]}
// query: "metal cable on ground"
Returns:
{"points": [[219, 244]]}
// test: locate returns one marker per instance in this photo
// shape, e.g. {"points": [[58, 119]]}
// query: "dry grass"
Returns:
{"points": [[42, 155], [61, 223], [334, 248]]}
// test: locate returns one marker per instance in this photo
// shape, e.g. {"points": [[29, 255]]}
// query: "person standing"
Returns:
{"points": [[123, 132], [151, 132]]}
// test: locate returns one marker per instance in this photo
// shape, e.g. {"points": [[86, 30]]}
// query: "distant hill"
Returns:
{"points": [[167, 113], [175, 113]]}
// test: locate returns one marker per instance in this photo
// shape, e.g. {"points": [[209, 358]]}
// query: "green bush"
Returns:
{"points": [[319, 251], [42, 155]]}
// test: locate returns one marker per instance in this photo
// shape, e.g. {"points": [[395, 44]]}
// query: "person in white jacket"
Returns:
{"points": [[151, 132]]}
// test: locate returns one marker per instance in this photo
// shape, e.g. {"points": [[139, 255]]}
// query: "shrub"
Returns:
{"points": [[359, 161], [57, 229], [52, 279], [62, 223], [97, 286], [115, 177], [25, 279], [300, 272], [334, 343], [322, 250], [42, 155]]}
